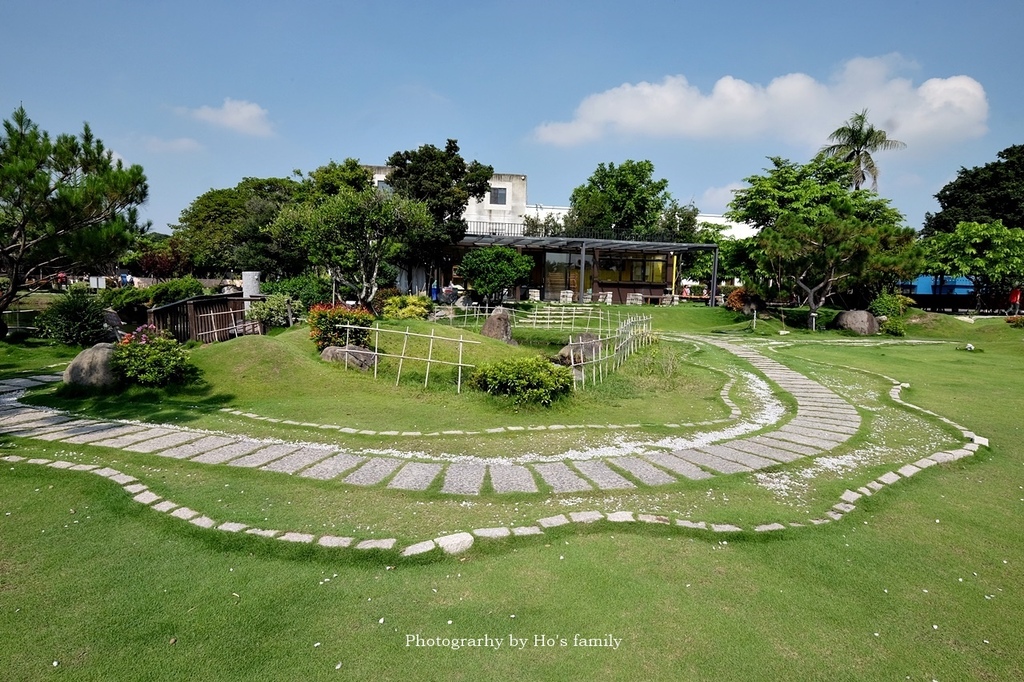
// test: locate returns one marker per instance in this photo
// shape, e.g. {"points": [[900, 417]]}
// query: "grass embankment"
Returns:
{"points": [[923, 581]]}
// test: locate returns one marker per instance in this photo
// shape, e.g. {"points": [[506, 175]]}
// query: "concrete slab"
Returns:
{"points": [[463, 478], [198, 447], [264, 455], [561, 478], [299, 459], [332, 467], [725, 451], [642, 470], [102, 434], [228, 452], [374, 471], [677, 465], [712, 462], [765, 451], [415, 476], [603, 477], [121, 442], [512, 478]]}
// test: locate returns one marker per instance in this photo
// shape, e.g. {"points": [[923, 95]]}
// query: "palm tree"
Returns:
{"points": [[854, 142]]}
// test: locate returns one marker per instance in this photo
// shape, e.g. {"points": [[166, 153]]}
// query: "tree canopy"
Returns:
{"points": [[990, 255], [983, 194], [619, 202], [494, 269], [854, 141], [64, 202]]}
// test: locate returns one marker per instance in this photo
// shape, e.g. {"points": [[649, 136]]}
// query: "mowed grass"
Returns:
{"points": [[922, 581]]}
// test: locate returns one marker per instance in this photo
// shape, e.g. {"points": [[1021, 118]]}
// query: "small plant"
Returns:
{"points": [[524, 380], [310, 289], [407, 308], [382, 296], [174, 290], [893, 326], [1016, 321], [75, 318], [273, 311], [334, 325], [890, 305], [149, 357]]}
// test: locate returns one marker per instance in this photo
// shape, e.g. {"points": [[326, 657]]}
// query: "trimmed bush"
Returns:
{"points": [[128, 301], [893, 326], [148, 357], [75, 318], [382, 296], [890, 305], [801, 317], [524, 380], [174, 290], [309, 289], [273, 311], [407, 308], [327, 325]]}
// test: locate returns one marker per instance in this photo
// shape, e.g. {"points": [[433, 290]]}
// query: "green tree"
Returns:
{"points": [[494, 269], [353, 233], [982, 194], [64, 202], [854, 142], [619, 202], [990, 255]]}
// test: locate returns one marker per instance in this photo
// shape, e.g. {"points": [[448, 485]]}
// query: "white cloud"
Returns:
{"points": [[178, 145], [716, 199], [794, 107], [238, 115]]}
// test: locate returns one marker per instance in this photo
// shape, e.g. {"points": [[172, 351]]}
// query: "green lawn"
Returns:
{"points": [[922, 581]]}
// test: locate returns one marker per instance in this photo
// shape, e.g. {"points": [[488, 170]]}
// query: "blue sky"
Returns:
{"points": [[203, 94]]}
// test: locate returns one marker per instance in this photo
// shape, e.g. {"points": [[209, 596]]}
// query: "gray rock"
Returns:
{"points": [[352, 356], [858, 321], [463, 302], [584, 348], [498, 325], [92, 368]]}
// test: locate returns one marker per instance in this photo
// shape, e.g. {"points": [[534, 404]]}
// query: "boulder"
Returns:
{"points": [[91, 367], [858, 321], [353, 356], [498, 325], [586, 346]]}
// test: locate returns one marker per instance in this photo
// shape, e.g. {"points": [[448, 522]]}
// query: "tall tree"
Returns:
{"points": [[441, 179], [619, 202], [990, 255], [854, 142], [982, 194], [494, 269], [63, 202]]}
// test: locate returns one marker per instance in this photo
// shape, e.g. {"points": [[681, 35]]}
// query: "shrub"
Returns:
{"points": [[800, 317], [149, 357], [1017, 321], [273, 310], [309, 289], [893, 326], [890, 305], [327, 325], [128, 301], [75, 318], [407, 308], [523, 380], [382, 296], [174, 290]]}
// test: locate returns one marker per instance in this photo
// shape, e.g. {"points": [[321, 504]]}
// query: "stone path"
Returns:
{"points": [[823, 420]]}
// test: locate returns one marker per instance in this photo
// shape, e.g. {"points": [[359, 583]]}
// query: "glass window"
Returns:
{"points": [[498, 195]]}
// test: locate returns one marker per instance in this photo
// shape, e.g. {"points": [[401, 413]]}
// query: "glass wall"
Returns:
{"points": [[647, 268]]}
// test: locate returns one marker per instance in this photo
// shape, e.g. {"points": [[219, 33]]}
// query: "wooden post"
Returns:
{"points": [[190, 310], [430, 355], [376, 347], [458, 384], [401, 359]]}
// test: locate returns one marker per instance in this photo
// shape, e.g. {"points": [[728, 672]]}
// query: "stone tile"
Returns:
{"points": [[765, 527], [677, 465], [712, 462], [102, 434], [263, 532], [122, 442], [419, 548], [123, 478], [642, 470], [834, 515], [779, 455], [725, 528], [135, 487], [889, 478], [203, 522], [264, 455], [907, 470], [603, 477], [849, 496], [924, 463], [553, 521], [71, 429], [106, 472], [978, 440], [463, 478], [456, 543], [61, 464], [415, 476], [12, 458], [332, 467], [374, 471], [198, 447], [527, 530], [228, 452], [500, 532], [232, 527], [385, 543], [512, 478], [586, 516], [303, 457], [653, 518], [84, 467], [781, 444], [844, 507], [334, 541], [876, 486], [303, 538], [147, 497], [738, 456], [184, 513], [822, 440], [561, 478], [44, 424], [621, 517], [169, 440], [164, 506]]}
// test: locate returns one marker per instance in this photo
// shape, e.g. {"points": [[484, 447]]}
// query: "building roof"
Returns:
{"points": [[578, 243]]}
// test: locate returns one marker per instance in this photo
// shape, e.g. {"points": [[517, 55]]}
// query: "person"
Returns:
{"points": [[433, 291], [1014, 308]]}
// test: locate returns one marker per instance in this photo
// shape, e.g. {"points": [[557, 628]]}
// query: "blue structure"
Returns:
{"points": [[929, 284]]}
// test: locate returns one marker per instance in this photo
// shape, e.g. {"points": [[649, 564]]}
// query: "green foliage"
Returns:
{"points": [[621, 202], [991, 255], [273, 310], [64, 202], [893, 326], [174, 290], [983, 194], [524, 380], [129, 302], [854, 141], [1017, 321], [75, 318], [382, 296], [149, 357], [407, 308], [890, 305], [308, 288], [336, 325], [493, 269], [801, 317]]}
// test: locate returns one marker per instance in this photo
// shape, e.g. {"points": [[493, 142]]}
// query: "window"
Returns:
{"points": [[498, 195], [383, 186]]}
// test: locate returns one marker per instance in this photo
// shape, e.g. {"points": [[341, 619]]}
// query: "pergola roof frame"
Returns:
{"points": [[578, 243]]}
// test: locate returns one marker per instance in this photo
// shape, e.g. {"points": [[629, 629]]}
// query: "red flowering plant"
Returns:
{"points": [[338, 324]]}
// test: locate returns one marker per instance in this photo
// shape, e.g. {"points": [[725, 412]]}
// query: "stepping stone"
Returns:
{"points": [[500, 532], [184, 513], [646, 473], [679, 466], [512, 478], [415, 476], [63, 428], [464, 479], [551, 521], [289, 464], [605, 479], [819, 441], [103, 434], [586, 516], [229, 451], [712, 462], [763, 450], [146, 497], [724, 528], [132, 438], [203, 522], [43, 423], [197, 447], [825, 425], [374, 471], [74, 430], [561, 478], [297, 537], [232, 526], [164, 506], [769, 527], [386, 543], [815, 434], [261, 457], [22, 383], [334, 541], [889, 477], [163, 442], [780, 444], [419, 548], [22, 416], [744, 458], [621, 516], [527, 530], [456, 543], [334, 466]]}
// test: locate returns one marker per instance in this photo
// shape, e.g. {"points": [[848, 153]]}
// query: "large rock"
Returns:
{"points": [[858, 321], [92, 367], [353, 356], [498, 325], [584, 348]]}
